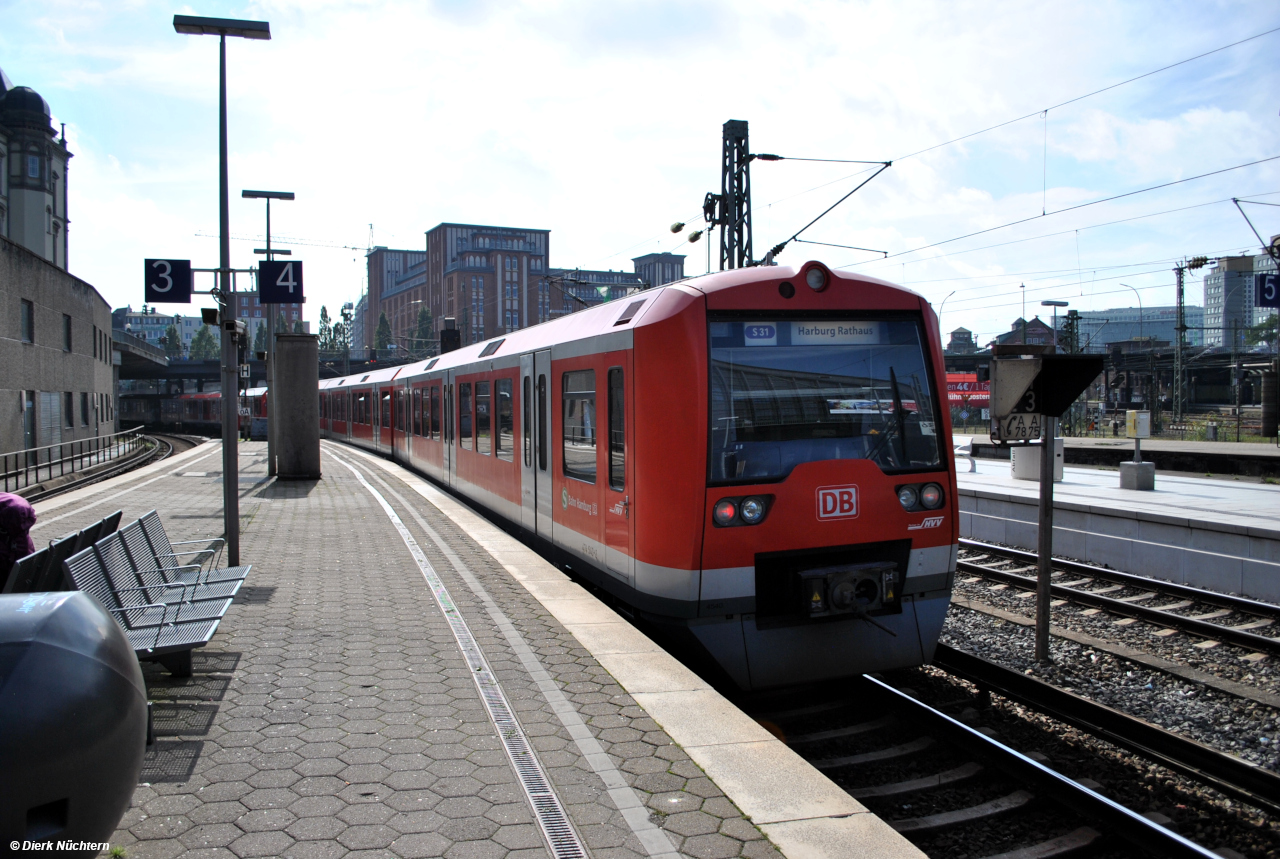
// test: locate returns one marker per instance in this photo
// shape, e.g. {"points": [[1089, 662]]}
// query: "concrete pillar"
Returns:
{"points": [[294, 407]]}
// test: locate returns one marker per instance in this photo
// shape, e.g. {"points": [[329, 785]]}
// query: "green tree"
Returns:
{"points": [[422, 335], [1264, 332], [282, 324], [298, 327], [260, 338], [382, 337], [326, 330], [204, 346], [172, 342], [339, 336]]}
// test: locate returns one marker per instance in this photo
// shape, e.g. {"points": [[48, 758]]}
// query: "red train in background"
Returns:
{"points": [[759, 456]]}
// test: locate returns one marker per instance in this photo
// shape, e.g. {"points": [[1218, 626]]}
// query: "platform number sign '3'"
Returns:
{"points": [[168, 281], [280, 282]]}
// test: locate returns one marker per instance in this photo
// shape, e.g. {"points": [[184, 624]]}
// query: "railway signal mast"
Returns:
{"points": [[1180, 338]]}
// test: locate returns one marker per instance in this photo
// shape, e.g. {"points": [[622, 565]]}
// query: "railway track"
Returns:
{"points": [[165, 446], [1214, 616], [944, 784]]}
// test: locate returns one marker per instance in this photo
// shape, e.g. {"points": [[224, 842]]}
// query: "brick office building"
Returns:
{"points": [[489, 279]]}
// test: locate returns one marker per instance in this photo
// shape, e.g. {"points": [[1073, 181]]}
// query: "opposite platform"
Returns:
{"points": [[339, 708], [1218, 534]]}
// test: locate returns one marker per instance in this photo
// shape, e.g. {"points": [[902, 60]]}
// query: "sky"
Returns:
{"points": [[601, 122]]}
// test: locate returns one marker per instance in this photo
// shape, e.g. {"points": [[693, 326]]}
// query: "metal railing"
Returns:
{"points": [[23, 468]]}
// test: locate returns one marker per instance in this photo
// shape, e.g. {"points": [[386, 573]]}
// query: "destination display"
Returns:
{"points": [[840, 332]]}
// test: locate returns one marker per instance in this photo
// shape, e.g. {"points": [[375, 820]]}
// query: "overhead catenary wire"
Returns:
{"points": [[1088, 227], [1045, 110], [1073, 208]]}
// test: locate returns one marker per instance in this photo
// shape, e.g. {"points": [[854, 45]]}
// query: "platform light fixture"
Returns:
{"points": [[222, 28]]}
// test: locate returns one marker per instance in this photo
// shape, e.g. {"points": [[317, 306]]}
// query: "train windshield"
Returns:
{"points": [[792, 391]]}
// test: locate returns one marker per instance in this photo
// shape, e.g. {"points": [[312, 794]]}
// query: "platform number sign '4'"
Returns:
{"points": [[280, 282]]}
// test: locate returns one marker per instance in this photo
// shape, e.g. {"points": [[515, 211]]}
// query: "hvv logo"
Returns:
{"points": [[837, 502]]}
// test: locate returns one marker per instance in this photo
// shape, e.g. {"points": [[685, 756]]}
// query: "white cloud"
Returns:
{"points": [[602, 123]]}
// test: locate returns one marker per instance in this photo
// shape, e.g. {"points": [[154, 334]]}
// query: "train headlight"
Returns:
{"points": [[907, 497], [816, 278], [931, 496], [724, 512], [752, 510]]}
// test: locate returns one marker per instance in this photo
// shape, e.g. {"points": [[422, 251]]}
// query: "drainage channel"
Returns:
{"points": [[557, 829]]}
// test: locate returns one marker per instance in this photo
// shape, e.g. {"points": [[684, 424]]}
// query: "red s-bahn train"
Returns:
{"points": [[760, 456]]}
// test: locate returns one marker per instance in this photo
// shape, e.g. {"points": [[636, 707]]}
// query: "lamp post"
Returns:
{"points": [[271, 332], [940, 306], [223, 27], [1135, 292], [1055, 305]]}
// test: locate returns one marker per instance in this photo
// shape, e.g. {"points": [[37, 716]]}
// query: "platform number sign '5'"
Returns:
{"points": [[168, 281], [280, 282], [1267, 289]]}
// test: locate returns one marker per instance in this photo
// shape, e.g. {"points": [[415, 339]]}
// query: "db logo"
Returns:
{"points": [[837, 502]]}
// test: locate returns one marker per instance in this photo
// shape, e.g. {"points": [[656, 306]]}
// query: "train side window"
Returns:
{"points": [[385, 416], [483, 439], [617, 431], [417, 411], [401, 424], [504, 432], [435, 412], [526, 425], [464, 413], [579, 425], [542, 422]]}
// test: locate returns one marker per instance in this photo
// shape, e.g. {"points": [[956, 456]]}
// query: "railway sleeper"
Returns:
{"points": [[1213, 615], [964, 772], [891, 753], [1063, 845], [837, 733], [961, 816]]}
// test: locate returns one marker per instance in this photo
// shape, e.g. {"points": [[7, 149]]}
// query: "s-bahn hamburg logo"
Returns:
{"points": [[928, 522], [837, 502], [564, 499]]}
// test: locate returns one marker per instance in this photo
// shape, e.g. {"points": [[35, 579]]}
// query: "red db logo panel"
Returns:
{"points": [[837, 502]]}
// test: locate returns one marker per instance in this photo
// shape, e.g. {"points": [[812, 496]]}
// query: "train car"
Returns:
{"points": [[758, 457]]}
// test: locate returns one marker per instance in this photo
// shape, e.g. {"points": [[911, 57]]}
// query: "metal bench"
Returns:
{"points": [[184, 582], [157, 631], [42, 571], [166, 558], [962, 445]]}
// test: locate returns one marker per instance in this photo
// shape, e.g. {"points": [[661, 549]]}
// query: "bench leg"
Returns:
{"points": [[151, 729], [973, 464], [178, 664]]}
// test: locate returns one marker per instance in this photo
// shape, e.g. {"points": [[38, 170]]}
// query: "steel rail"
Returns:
{"points": [[1201, 628], [1240, 604], [1236, 777], [117, 467], [1099, 811]]}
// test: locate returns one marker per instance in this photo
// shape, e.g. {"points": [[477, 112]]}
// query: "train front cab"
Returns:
{"points": [[829, 519]]}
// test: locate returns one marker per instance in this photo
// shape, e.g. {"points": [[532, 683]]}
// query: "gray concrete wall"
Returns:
{"points": [[44, 365], [1234, 559], [294, 406]]}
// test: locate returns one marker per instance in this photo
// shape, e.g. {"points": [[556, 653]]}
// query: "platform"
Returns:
{"points": [[339, 709], [1222, 535]]}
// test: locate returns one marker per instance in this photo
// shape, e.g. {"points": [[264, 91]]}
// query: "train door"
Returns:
{"points": [[528, 470], [618, 435], [542, 442], [447, 428]]}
